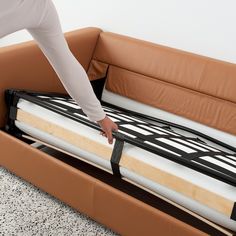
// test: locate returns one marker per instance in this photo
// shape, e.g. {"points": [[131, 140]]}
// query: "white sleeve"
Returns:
{"points": [[51, 40]]}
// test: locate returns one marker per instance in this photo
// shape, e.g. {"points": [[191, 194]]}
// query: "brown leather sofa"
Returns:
{"points": [[170, 76]]}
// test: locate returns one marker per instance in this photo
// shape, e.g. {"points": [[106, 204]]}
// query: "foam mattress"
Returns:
{"points": [[193, 170]]}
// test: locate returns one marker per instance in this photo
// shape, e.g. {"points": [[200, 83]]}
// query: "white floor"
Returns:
{"points": [[26, 210]]}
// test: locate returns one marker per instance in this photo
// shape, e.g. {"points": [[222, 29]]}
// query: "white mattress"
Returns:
{"points": [[205, 182], [133, 105]]}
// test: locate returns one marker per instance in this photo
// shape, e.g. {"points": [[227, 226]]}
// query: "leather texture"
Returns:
{"points": [[119, 211], [186, 84], [97, 70], [181, 101]]}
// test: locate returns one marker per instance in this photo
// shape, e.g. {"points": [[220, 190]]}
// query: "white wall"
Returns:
{"points": [[205, 27]]}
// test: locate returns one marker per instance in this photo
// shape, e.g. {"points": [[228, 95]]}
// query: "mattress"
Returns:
{"points": [[189, 168]]}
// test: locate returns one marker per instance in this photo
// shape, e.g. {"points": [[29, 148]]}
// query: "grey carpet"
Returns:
{"points": [[25, 210]]}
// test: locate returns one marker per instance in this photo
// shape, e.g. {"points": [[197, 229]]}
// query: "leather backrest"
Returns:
{"points": [[193, 86]]}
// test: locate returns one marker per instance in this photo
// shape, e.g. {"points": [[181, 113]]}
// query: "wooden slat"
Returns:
{"points": [[204, 196]]}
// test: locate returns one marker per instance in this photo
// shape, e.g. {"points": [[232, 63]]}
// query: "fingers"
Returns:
{"points": [[115, 128], [107, 127], [108, 134]]}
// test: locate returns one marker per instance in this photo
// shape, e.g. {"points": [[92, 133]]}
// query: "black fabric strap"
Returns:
{"points": [[233, 215], [116, 155]]}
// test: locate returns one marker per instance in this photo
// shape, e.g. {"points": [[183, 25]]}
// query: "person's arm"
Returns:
{"points": [[49, 36]]}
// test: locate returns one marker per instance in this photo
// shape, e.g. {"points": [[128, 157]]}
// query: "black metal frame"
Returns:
{"points": [[12, 97]]}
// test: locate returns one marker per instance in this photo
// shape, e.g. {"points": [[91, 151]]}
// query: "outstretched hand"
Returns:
{"points": [[108, 126]]}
